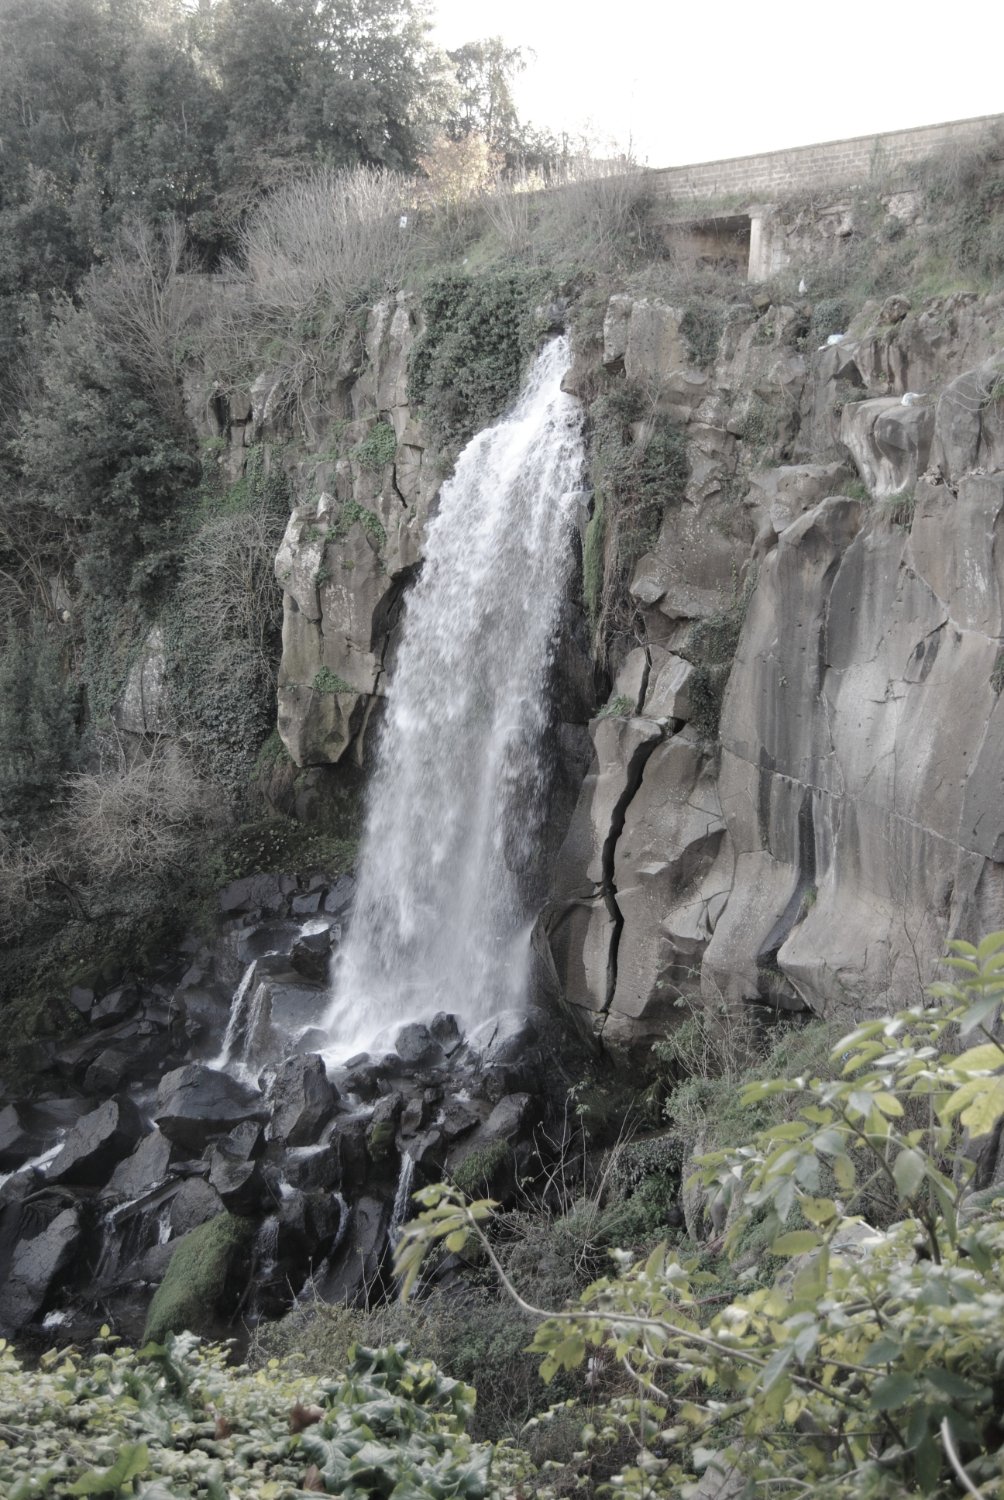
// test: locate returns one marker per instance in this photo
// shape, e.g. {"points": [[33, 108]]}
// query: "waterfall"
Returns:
{"points": [[459, 790], [237, 1021], [402, 1198]]}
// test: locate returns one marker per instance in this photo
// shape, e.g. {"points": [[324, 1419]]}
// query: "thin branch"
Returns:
{"points": [[953, 1458]]}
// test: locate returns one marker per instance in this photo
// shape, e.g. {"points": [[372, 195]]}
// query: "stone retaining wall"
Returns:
{"points": [[827, 164]]}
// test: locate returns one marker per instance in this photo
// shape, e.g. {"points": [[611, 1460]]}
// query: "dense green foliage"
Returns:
{"points": [[711, 646], [175, 1420], [37, 730], [871, 1366], [479, 333]]}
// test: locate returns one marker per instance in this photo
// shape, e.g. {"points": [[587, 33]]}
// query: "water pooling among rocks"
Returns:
{"points": [[441, 920]]}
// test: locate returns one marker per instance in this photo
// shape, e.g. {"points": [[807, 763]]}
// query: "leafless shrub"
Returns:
{"points": [[26, 869], [312, 252], [586, 209], [326, 241], [34, 552], [137, 815], [146, 301]]}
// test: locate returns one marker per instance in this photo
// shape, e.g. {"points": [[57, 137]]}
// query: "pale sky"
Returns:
{"points": [[695, 81]]}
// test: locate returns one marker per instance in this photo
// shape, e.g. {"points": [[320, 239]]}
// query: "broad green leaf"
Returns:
{"points": [[133, 1459], [978, 1013], [818, 1210], [796, 1242], [981, 1115], [884, 1351], [992, 943], [893, 1391], [843, 1170], [909, 1169], [986, 1058]]}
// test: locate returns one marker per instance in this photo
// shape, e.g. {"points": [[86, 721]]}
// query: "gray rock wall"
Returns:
{"points": [[849, 818]]}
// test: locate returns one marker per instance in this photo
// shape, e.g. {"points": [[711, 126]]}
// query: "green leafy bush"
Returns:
{"points": [[178, 1420], [639, 469], [222, 627], [872, 1366], [37, 728], [480, 331], [377, 448], [702, 325]]}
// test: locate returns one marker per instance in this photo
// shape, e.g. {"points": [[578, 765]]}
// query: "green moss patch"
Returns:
{"points": [[200, 1280]]}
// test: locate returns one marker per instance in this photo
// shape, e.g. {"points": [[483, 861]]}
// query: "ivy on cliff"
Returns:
{"points": [[479, 333]]}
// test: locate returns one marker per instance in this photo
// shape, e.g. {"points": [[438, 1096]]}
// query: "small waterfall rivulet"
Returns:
{"points": [[460, 782]]}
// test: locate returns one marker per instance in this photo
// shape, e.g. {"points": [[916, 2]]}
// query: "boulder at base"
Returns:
{"points": [[195, 1103]]}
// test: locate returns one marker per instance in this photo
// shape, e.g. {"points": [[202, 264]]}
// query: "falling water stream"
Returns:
{"points": [[460, 785]]}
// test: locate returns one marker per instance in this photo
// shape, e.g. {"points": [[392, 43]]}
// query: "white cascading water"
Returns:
{"points": [[453, 817]]}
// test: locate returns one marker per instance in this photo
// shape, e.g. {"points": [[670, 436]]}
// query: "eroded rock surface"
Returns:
{"points": [[848, 819]]}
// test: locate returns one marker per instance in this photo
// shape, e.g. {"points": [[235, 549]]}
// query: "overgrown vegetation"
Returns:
{"points": [[871, 1365], [468, 365], [639, 470], [177, 1420], [711, 646]]}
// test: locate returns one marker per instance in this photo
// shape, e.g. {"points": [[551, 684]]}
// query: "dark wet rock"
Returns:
{"points": [[446, 1030], [115, 1006], [458, 1117], [414, 1116], [266, 939], [511, 1117], [193, 1204], [363, 1074], [357, 1266], [195, 1103], [236, 1179], [306, 905], [418, 1048], [505, 1039], [109, 1071], [303, 1100], [313, 1170], [311, 953], [312, 1040], [204, 1011], [151, 1268], [265, 893], [97, 1143], [349, 1143], [37, 1267], [428, 1150], [246, 1141], [17, 1140], [143, 1169], [81, 998], [380, 1137], [340, 897]]}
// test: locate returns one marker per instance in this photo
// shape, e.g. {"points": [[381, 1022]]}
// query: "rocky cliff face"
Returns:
{"points": [[849, 819], [350, 547]]}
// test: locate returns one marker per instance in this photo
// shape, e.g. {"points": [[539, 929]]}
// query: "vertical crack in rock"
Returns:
{"points": [[805, 879], [634, 772]]}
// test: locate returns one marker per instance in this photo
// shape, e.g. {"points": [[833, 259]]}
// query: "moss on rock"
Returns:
{"points": [[199, 1279]]}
